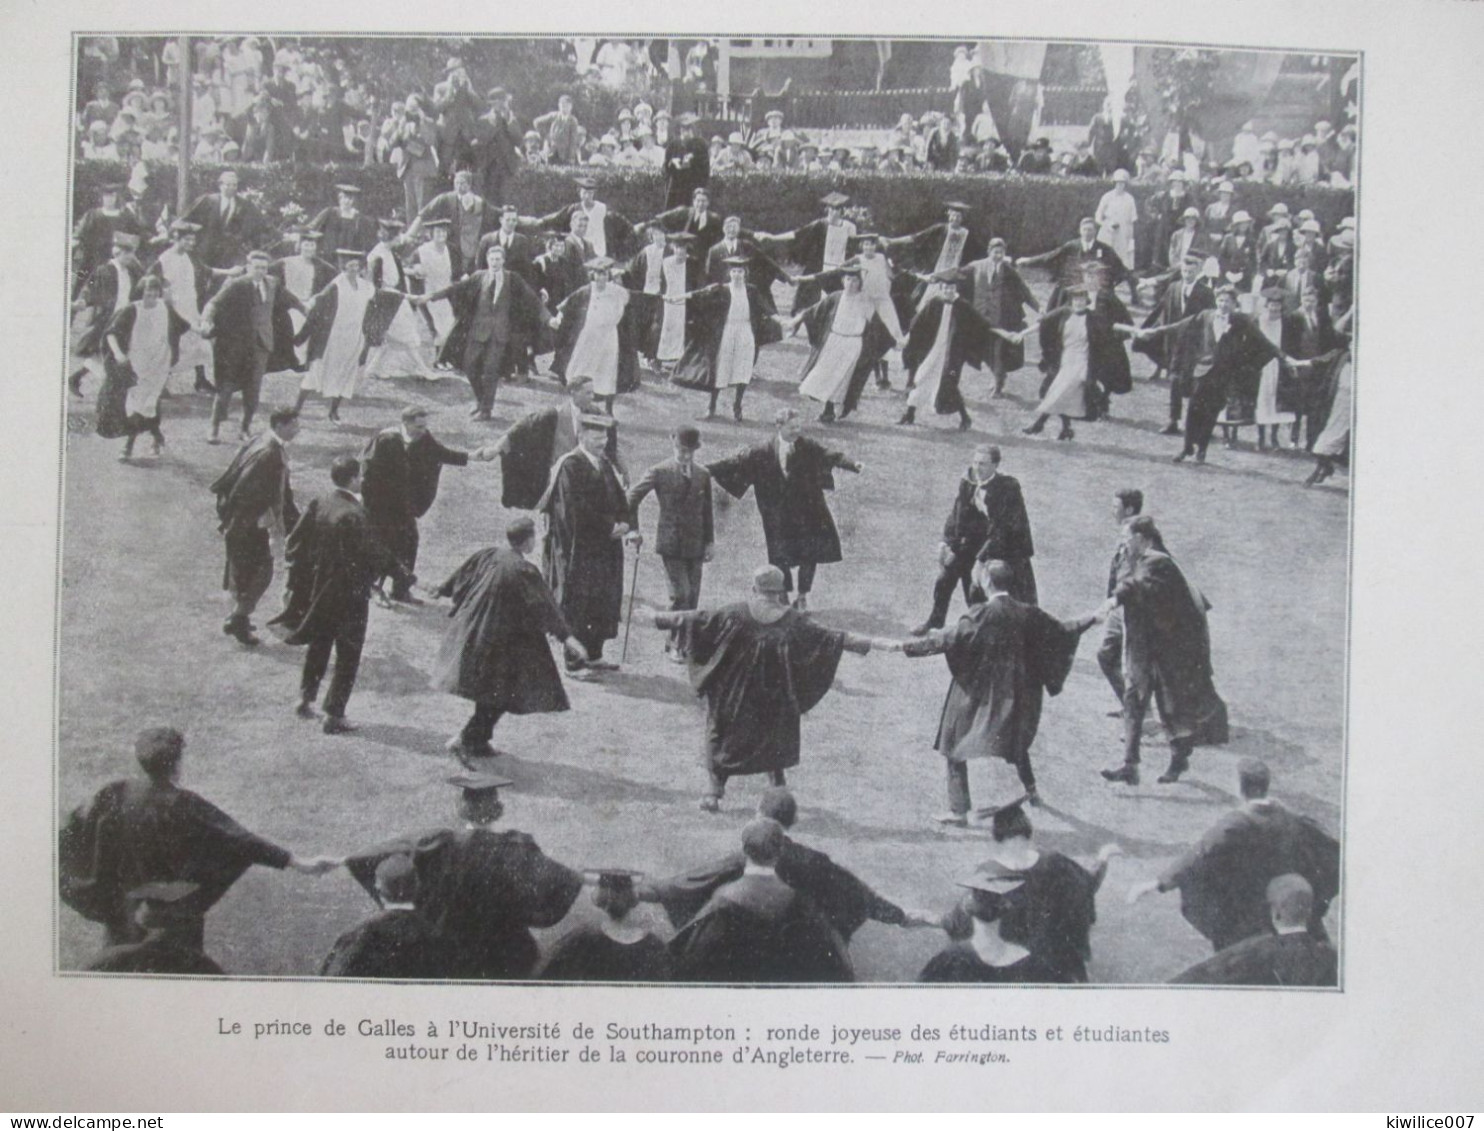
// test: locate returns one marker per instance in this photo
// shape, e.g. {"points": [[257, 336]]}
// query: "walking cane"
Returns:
{"points": [[627, 624]]}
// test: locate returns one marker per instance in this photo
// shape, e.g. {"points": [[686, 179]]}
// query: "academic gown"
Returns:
{"points": [[587, 954], [757, 929], [525, 326], [157, 953], [1296, 959], [484, 890], [797, 524], [807, 249], [1052, 915], [495, 650], [335, 331], [136, 832], [399, 943], [875, 343], [969, 339], [1000, 298], [256, 480], [706, 320], [399, 481], [1004, 656], [283, 356], [650, 307], [333, 559], [573, 312], [1223, 879], [846, 901], [584, 561], [526, 464], [120, 377], [1167, 648], [758, 680], [1107, 359], [960, 963]]}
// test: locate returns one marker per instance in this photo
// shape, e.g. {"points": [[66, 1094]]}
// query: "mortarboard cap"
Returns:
{"points": [[125, 239], [993, 878], [736, 261], [389, 222], [1195, 257], [437, 223], [262, 256], [599, 263], [349, 253], [1227, 289], [413, 411], [475, 784], [354, 190], [585, 182], [596, 420], [497, 93], [181, 227]]}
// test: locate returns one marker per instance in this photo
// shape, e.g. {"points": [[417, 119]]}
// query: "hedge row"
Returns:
{"points": [[1033, 214]]}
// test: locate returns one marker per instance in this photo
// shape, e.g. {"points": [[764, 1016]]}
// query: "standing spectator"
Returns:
{"points": [[1117, 216], [230, 226], [262, 142], [102, 108], [562, 131], [497, 142], [1101, 140], [97, 145], [1310, 168], [687, 165], [458, 110], [415, 156]]}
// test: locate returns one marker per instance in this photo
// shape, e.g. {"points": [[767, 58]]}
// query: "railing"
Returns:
{"points": [[862, 109], [1070, 105]]}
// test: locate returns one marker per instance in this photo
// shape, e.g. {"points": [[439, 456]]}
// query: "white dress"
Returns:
{"points": [[437, 266], [401, 351], [672, 327], [595, 353], [179, 274], [738, 351], [876, 285], [1117, 214], [337, 371], [1334, 440], [298, 280], [149, 357], [1267, 387], [1067, 395], [830, 377], [597, 232], [929, 374]]}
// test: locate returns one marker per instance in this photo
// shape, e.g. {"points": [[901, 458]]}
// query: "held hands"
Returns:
{"points": [[917, 918], [620, 529], [315, 865], [574, 648], [634, 539], [1107, 852], [708, 553], [945, 554]]}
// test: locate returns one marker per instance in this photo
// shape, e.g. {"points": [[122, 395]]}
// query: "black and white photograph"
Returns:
{"points": [[768, 511]]}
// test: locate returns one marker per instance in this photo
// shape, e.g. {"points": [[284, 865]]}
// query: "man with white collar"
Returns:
{"points": [[1223, 880], [1066, 262], [399, 482], [333, 558], [1290, 956], [536, 443], [758, 929], [987, 520], [760, 665], [520, 248], [1003, 656], [607, 231]]}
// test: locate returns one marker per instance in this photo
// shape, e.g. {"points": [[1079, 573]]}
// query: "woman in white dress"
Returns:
{"points": [[141, 343], [1067, 395], [336, 332], [676, 277], [828, 372], [589, 320], [1268, 418], [300, 273], [1117, 214], [395, 325], [434, 266], [730, 323]]}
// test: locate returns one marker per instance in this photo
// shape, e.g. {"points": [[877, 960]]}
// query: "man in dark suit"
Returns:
{"points": [[240, 318], [520, 249], [1067, 261], [987, 522], [698, 221], [789, 475], [252, 496], [498, 317], [1128, 504], [230, 226], [1187, 295], [497, 141], [687, 164], [471, 217], [684, 538], [399, 481], [333, 559]]}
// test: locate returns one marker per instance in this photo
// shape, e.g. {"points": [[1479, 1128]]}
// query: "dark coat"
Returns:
{"points": [[399, 944], [157, 953], [255, 482], [1000, 298], [199, 270], [1002, 531], [100, 294], [495, 650], [649, 310], [762, 270], [618, 233], [119, 377], [1296, 959], [685, 523], [531, 451], [520, 252], [683, 219], [584, 561], [225, 243], [333, 560], [806, 249], [586, 954], [485, 218], [358, 233], [797, 524], [968, 344], [399, 481], [1066, 262], [921, 249], [706, 318], [1237, 257], [236, 332], [1107, 356], [525, 318], [283, 356], [687, 167], [1172, 306], [497, 153]]}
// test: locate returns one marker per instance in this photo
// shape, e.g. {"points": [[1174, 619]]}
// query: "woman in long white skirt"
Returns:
{"points": [[140, 347], [403, 334], [595, 353], [1333, 444], [337, 337], [1266, 412], [434, 266], [1067, 395]]}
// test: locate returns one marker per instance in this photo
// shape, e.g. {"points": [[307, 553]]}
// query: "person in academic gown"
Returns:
{"points": [[107, 291], [662, 269], [847, 341], [481, 888], [335, 331], [142, 345], [694, 218], [148, 829], [394, 332], [946, 334], [1186, 295], [469, 216], [843, 898], [687, 164], [1056, 907], [621, 947], [818, 247], [497, 320], [401, 467], [607, 230], [302, 275], [999, 294], [941, 247], [167, 945], [757, 929], [597, 335], [399, 942], [1068, 334], [1223, 879], [92, 241], [344, 225], [253, 496], [1167, 655], [731, 321], [520, 248], [988, 956], [495, 652], [333, 559], [1308, 334], [789, 475], [760, 666], [762, 271], [1004, 657], [588, 517], [1290, 956], [1067, 261]]}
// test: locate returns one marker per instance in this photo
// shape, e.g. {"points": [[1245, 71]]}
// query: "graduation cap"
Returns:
{"points": [[1195, 257], [306, 233], [599, 263], [586, 182], [993, 878], [736, 261], [347, 254], [862, 237], [947, 276], [437, 223], [957, 206], [595, 420], [850, 270], [1226, 289], [183, 227], [260, 256], [509, 210], [389, 222], [353, 190], [476, 785]]}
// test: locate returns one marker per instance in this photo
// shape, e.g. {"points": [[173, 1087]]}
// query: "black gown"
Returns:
{"points": [[758, 929], [400, 943], [587, 954], [959, 963]]}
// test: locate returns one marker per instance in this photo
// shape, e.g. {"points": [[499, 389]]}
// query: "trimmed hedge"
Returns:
{"points": [[1033, 214]]}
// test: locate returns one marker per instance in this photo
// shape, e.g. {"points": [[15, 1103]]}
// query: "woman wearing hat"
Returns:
{"points": [[1118, 216], [336, 332], [142, 345], [597, 335], [847, 340], [731, 322]]}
